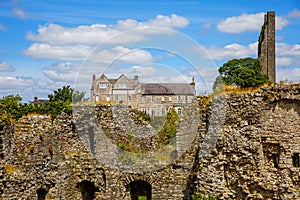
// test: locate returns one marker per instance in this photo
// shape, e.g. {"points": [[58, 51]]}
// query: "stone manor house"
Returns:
{"points": [[155, 99]]}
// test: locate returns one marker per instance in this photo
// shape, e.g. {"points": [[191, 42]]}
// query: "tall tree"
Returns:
{"points": [[244, 72], [62, 94]]}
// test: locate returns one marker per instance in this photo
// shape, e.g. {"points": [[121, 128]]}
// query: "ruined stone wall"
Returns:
{"points": [[245, 147], [266, 46], [253, 157], [47, 161]]}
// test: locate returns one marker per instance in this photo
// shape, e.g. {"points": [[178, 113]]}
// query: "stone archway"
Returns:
{"points": [[87, 190], [41, 193], [140, 190]]}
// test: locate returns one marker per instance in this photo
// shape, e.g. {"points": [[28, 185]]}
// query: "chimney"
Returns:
{"points": [[136, 80], [193, 85]]}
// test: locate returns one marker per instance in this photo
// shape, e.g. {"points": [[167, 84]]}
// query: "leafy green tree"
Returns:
{"points": [[62, 94], [67, 94], [60, 101], [244, 72], [10, 109]]}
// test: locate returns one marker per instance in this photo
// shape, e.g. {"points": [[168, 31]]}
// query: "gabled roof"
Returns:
{"points": [[167, 88], [113, 81]]}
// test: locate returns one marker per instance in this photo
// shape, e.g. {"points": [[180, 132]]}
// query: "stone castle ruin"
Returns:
{"points": [[266, 46], [242, 146], [254, 155]]}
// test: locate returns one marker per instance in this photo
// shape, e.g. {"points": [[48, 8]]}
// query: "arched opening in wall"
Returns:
{"points": [[41, 193], [87, 190], [140, 190]]}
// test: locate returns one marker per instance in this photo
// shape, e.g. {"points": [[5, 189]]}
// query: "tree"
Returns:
{"points": [[78, 96], [244, 72], [10, 109], [62, 94], [67, 94], [218, 84]]}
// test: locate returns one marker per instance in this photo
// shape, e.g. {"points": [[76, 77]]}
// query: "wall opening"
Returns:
{"points": [[41, 193], [275, 160], [296, 161], [271, 153], [140, 190], [87, 190]]}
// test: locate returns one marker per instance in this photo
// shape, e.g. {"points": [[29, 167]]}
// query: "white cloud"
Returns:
{"points": [[294, 14], [81, 52], [5, 67], [248, 22], [283, 61], [290, 75], [12, 84], [130, 56], [62, 72], [284, 49], [19, 13], [58, 52], [144, 71], [229, 51], [98, 33], [287, 55]]}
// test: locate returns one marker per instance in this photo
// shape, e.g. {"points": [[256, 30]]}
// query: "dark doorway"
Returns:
{"points": [[41, 193], [140, 190], [87, 190]]}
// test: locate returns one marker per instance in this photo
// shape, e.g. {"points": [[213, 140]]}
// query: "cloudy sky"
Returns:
{"points": [[45, 45]]}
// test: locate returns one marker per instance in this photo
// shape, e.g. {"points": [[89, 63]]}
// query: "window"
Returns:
{"points": [[162, 98], [170, 109], [122, 85], [116, 97], [179, 111], [144, 99], [185, 98], [152, 111], [179, 98], [163, 111], [129, 98], [103, 85], [144, 110], [296, 162], [153, 98], [97, 98], [107, 98], [170, 99]]}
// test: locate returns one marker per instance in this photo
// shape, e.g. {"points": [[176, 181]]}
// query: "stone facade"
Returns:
{"points": [[155, 99], [266, 46], [244, 146]]}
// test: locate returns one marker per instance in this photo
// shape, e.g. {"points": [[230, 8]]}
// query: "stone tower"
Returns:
{"points": [[266, 46]]}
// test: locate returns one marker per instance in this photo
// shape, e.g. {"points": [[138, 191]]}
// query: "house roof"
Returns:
{"points": [[113, 81], [167, 88], [40, 101]]}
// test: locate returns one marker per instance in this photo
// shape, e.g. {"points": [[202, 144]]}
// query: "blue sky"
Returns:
{"points": [[47, 44]]}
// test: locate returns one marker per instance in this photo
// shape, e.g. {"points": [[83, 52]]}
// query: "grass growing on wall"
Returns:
{"points": [[200, 196], [168, 132]]}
